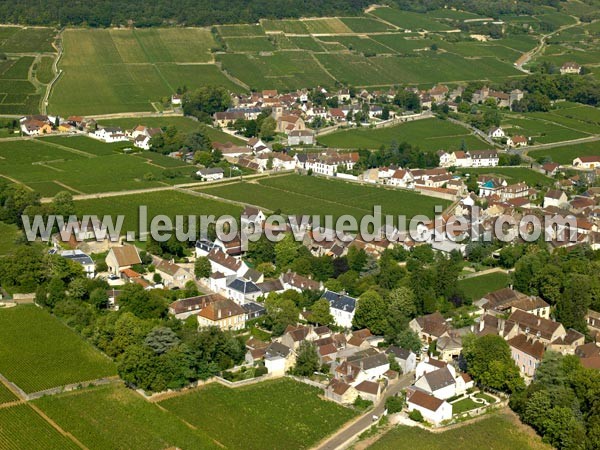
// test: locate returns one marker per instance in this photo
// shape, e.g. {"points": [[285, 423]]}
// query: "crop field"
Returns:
{"points": [[6, 395], [43, 70], [60, 164], [296, 194], [513, 175], [240, 30], [17, 93], [27, 40], [126, 70], [429, 67], [476, 287], [365, 24], [544, 128], [22, 427], [37, 352], [566, 154], [281, 70], [285, 26], [361, 44], [169, 203], [249, 44], [500, 431], [298, 420], [427, 134], [326, 26], [112, 413], [409, 20]]}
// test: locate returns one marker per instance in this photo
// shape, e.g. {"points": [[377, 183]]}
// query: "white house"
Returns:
{"points": [[402, 178], [406, 359], [89, 267], [226, 264], [210, 174], [109, 134], [241, 291], [342, 308], [587, 162], [300, 137], [432, 409], [484, 158], [555, 197], [496, 133]]}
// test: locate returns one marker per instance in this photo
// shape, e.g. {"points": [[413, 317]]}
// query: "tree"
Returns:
{"points": [[161, 339], [144, 305], [267, 129], [286, 251], [394, 404], [409, 340], [205, 101], [99, 298], [320, 312], [489, 362], [307, 361], [281, 312], [202, 267], [371, 313], [62, 204], [401, 303]]}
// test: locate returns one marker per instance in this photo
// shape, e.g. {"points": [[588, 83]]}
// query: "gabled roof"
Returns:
{"points": [[400, 353], [425, 400], [194, 303], [530, 346], [221, 309], [126, 255], [370, 387], [433, 324], [439, 379], [244, 286], [534, 324]]}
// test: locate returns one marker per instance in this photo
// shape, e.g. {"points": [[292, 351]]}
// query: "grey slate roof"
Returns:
{"points": [[342, 302], [243, 286]]}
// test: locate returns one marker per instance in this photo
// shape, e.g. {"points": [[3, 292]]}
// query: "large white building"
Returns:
{"points": [[342, 308]]}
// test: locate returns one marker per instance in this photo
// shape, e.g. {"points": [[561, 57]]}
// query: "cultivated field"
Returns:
{"points": [[21, 427], [170, 203], [427, 134], [37, 352], [6, 395], [125, 70], [82, 165], [501, 431], [409, 20], [27, 40], [296, 194], [248, 418], [116, 417], [566, 154], [476, 287], [17, 93]]}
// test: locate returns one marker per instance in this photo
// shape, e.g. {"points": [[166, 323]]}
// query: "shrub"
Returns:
{"points": [[415, 415]]}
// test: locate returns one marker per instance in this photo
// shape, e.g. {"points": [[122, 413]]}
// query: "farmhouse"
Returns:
{"points": [[173, 275], [429, 327], [109, 134], [301, 137], [555, 198], [570, 68], [34, 127], [122, 257], [210, 174], [496, 133], [432, 409], [340, 392], [587, 162], [406, 359]]}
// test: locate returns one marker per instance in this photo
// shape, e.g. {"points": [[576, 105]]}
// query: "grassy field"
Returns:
{"points": [[408, 20], [566, 154], [513, 175], [169, 203], [21, 427], [38, 352], [499, 431], [295, 194], [83, 165], [464, 405], [428, 135], [116, 417], [6, 395], [248, 418], [43, 70], [125, 70], [476, 287], [365, 24]]}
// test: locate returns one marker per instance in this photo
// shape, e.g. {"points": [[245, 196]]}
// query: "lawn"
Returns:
{"points": [[296, 194], [280, 414], [428, 135], [476, 287], [513, 175], [501, 431], [23, 428], [169, 203], [486, 397], [38, 352], [464, 405], [116, 417], [566, 154]]}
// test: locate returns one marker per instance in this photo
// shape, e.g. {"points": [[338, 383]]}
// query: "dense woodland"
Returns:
{"points": [[144, 13]]}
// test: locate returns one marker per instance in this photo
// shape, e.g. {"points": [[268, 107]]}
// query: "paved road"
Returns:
{"points": [[341, 438]]}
